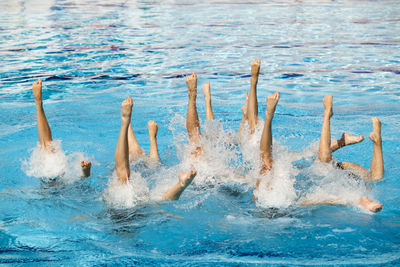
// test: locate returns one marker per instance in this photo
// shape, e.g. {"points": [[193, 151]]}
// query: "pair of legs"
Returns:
{"points": [[122, 154], [44, 130], [192, 117], [376, 170]]}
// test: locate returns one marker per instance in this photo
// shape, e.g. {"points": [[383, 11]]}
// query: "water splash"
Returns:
{"points": [[134, 192], [229, 158], [55, 164]]}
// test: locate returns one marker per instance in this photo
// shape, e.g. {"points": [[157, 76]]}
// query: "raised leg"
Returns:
{"points": [[192, 118], [134, 148], [42, 124], [184, 180], [325, 153], [345, 140], [86, 166], [122, 149], [207, 97], [153, 128], [266, 137], [252, 108], [376, 168], [244, 113]]}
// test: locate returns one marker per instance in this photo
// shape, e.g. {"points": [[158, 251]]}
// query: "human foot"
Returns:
{"points": [[375, 136], [126, 111], [153, 128], [207, 91], [255, 67], [272, 101], [369, 204], [348, 139], [37, 90], [86, 166], [328, 99], [186, 178], [191, 82]]}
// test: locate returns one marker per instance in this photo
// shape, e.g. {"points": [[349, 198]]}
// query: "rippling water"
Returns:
{"points": [[93, 54]]}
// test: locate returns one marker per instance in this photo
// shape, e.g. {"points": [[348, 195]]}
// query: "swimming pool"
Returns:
{"points": [[92, 55]]}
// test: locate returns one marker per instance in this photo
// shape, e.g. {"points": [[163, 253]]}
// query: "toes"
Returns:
{"points": [[152, 125], [378, 207], [192, 173], [256, 63], [193, 76], [86, 164]]}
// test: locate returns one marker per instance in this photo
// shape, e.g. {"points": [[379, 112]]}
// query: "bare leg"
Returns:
{"points": [[184, 180], [266, 137], [376, 168], [333, 201], [369, 204], [207, 97], [244, 112], [86, 165], [45, 137], [356, 169], [153, 128], [325, 153], [122, 150], [365, 202], [134, 148], [252, 108], [42, 124], [192, 118], [345, 140]]}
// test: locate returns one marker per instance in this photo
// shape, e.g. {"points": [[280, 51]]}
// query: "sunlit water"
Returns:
{"points": [[92, 54]]}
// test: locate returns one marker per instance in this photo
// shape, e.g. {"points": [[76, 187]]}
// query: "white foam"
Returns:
{"points": [[55, 164], [276, 188], [331, 183], [229, 158], [134, 192], [164, 179]]}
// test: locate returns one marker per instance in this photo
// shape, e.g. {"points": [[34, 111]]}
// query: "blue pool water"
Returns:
{"points": [[93, 54]]}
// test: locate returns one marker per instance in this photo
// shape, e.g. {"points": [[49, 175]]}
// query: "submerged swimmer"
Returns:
{"points": [[325, 150], [325, 155], [122, 154], [45, 138]]}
